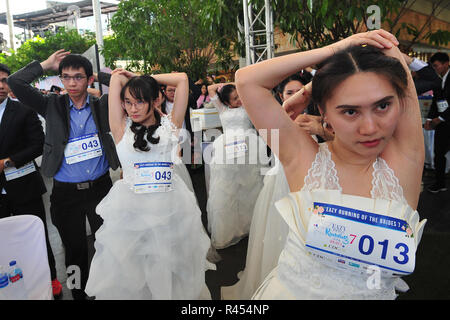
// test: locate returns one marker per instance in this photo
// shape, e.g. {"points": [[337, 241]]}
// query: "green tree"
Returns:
{"points": [[40, 48], [316, 23], [421, 33], [169, 35]]}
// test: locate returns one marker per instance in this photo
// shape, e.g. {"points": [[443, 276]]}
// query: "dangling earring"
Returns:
{"points": [[325, 124], [323, 120]]}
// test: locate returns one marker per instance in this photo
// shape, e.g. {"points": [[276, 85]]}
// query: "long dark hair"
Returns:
{"points": [[143, 88], [206, 94], [351, 61], [294, 77], [225, 92]]}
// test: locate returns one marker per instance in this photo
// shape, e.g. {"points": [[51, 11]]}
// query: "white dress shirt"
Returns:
{"points": [[2, 108]]}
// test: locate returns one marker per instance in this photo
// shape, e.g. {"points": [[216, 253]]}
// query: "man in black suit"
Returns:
{"points": [[439, 120], [425, 78], [78, 152], [21, 141]]}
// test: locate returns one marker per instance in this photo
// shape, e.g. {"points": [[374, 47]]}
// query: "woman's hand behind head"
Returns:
{"points": [[297, 103], [377, 38]]}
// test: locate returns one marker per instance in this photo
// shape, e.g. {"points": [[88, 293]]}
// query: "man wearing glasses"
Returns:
{"points": [[78, 151]]}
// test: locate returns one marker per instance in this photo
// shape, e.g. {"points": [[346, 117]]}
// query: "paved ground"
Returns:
{"points": [[429, 281]]}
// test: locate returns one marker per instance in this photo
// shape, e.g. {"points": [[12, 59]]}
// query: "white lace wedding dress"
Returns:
{"points": [[234, 183], [151, 245], [298, 274]]}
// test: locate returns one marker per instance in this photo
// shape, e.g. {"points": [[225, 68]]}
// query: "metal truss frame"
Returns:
{"points": [[258, 27]]}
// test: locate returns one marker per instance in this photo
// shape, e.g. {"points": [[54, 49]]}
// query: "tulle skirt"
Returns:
{"points": [[150, 246], [233, 191]]}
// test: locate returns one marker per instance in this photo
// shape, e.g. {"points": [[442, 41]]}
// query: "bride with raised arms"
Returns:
{"points": [[372, 168], [152, 244]]}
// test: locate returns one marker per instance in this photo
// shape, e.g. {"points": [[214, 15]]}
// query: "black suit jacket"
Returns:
{"points": [[21, 139], [426, 79], [441, 94]]}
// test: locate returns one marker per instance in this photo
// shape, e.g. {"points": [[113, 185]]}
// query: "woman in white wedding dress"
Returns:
{"points": [[353, 224], [152, 244], [236, 178], [268, 230]]}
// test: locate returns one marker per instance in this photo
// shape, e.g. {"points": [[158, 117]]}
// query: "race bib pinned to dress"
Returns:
{"points": [[356, 240], [83, 148], [153, 177], [237, 148], [14, 173]]}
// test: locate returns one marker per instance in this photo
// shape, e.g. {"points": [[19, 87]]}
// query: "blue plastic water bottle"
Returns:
{"points": [[18, 291], [4, 285]]}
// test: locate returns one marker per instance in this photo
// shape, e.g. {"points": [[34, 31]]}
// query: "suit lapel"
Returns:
{"points": [[447, 86], [8, 116], [94, 104], [67, 114]]}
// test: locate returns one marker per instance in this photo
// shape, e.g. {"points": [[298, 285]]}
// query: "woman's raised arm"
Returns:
{"points": [[408, 135], [212, 92], [181, 82], [254, 85], [255, 82], [116, 113]]}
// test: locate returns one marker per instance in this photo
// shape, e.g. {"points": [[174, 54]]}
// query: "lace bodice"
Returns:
{"points": [[164, 151], [232, 118], [311, 279], [323, 175]]}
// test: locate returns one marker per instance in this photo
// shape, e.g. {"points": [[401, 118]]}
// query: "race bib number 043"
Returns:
{"points": [[354, 240], [153, 177], [83, 148]]}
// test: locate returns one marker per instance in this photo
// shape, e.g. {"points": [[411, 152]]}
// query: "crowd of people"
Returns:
{"points": [[349, 143]]}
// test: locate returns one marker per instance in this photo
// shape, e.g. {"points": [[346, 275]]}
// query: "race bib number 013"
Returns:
{"points": [[355, 240], [153, 177], [83, 148]]}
